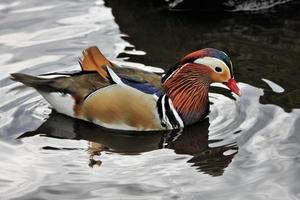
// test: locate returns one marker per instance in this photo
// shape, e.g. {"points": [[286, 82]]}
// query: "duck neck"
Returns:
{"points": [[188, 91]]}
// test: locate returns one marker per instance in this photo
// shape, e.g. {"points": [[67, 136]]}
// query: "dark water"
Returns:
{"points": [[248, 147]]}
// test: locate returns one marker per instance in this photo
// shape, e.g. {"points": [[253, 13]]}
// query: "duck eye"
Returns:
{"points": [[218, 69]]}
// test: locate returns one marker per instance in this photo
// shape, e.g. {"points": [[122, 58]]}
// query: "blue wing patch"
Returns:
{"points": [[144, 87]]}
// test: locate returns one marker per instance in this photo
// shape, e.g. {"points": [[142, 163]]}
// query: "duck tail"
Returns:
{"points": [[94, 60], [31, 81]]}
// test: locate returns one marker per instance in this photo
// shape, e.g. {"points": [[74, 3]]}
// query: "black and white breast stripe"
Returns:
{"points": [[167, 113]]}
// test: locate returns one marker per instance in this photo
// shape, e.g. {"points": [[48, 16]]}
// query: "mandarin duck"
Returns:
{"points": [[126, 98]]}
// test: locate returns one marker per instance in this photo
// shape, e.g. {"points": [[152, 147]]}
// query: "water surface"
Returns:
{"points": [[247, 148]]}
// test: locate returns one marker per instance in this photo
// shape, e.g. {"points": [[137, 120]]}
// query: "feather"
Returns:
{"points": [[167, 113], [140, 76], [189, 93], [137, 80], [94, 60], [113, 76], [144, 87], [121, 107], [77, 85]]}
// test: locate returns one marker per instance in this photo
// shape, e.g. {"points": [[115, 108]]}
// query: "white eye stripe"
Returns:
{"points": [[211, 62]]}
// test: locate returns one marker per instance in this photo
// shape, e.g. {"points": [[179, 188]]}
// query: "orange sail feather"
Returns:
{"points": [[94, 60]]}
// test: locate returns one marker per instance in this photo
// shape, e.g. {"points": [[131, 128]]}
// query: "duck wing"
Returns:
{"points": [[94, 60], [147, 82], [79, 84]]}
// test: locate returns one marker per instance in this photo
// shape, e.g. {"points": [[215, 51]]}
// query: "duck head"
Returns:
{"points": [[214, 64], [187, 83]]}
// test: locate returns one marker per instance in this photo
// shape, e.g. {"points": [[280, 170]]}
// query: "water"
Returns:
{"points": [[227, 5], [248, 147]]}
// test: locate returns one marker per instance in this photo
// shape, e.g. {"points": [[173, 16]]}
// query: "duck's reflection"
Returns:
{"points": [[192, 140]]}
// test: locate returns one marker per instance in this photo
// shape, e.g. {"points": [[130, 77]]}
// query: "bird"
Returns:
{"points": [[131, 99]]}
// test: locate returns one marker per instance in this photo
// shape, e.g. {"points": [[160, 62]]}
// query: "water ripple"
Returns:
{"points": [[47, 35]]}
